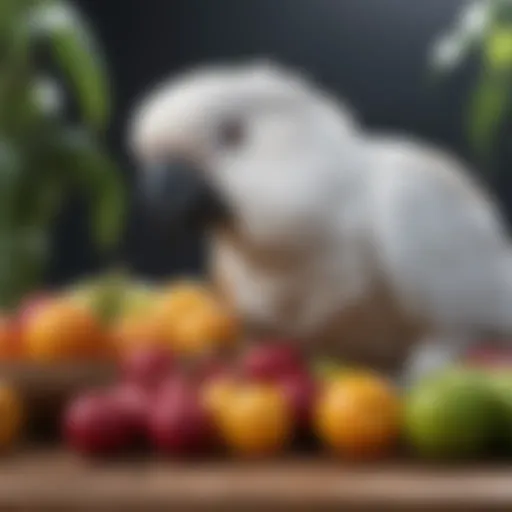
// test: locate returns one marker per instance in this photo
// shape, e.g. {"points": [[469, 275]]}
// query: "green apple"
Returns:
{"points": [[455, 415], [501, 382]]}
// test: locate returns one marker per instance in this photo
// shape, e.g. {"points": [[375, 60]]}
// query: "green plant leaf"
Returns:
{"points": [[488, 105], [40, 201], [23, 247], [498, 48], [503, 9], [77, 54], [47, 97], [106, 192], [447, 54], [11, 170], [453, 47], [491, 98], [23, 255], [9, 10], [84, 164]]}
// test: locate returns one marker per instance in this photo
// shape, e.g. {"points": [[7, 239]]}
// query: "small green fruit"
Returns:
{"points": [[456, 415]]}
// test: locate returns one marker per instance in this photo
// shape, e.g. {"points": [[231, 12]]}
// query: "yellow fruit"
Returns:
{"points": [[64, 331], [139, 300], [256, 421], [139, 330], [216, 395], [11, 416], [203, 330], [183, 296], [359, 416], [194, 320]]}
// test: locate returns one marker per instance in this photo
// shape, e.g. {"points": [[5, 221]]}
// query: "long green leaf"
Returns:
{"points": [[47, 97], [9, 10], [86, 165], [453, 47], [23, 249], [23, 255], [498, 48], [11, 170], [79, 57], [489, 102], [492, 96], [106, 190]]}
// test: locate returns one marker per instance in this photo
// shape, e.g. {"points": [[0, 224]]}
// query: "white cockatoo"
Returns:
{"points": [[381, 250]]}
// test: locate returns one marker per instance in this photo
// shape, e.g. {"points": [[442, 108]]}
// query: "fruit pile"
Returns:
{"points": [[261, 404], [186, 387], [270, 400], [102, 319]]}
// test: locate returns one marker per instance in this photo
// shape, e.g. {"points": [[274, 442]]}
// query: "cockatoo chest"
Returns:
{"points": [[333, 303]]}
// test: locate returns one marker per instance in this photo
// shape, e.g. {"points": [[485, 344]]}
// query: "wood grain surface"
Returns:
{"points": [[53, 480], [49, 479]]}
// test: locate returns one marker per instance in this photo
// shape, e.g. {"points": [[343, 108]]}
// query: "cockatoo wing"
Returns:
{"points": [[442, 242]]}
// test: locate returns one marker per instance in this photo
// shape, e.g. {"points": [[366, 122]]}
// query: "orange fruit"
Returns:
{"points": [[63, 331], [183, 296], [255, 421], [216, 395], [203, 330], [220, 324], [11, 416], [11, 346], [194, 320], [359, 416], [138, 330]]}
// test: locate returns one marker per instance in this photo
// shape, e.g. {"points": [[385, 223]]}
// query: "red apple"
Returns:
{"points": [[177, 380], [147, 366], [179, 424], [270, 361], [94, 424], [300, 391], [135, 402], [210, 368]]}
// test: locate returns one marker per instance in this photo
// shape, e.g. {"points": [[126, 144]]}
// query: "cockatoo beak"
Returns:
{"points": [[179, 197]]}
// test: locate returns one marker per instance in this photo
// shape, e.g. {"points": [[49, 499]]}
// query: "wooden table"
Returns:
{"points": [[53, 480]]}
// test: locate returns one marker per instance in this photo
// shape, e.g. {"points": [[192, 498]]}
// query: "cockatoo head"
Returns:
{"points": [[249, 144]]}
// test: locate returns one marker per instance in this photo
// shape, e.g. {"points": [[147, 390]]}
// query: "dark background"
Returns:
{"points": [[371, 52]]}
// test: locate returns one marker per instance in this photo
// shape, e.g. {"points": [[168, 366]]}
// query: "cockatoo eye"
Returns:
{"points": [[231, 134]]}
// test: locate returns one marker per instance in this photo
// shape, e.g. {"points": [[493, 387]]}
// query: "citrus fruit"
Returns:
{"points": [[256, 421], [202, 330], [358, 416], [138, 299], [194, 320], [216, 394], [455, 415], [63, 331], [132, 331], [11, 346], [183, 296]]}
